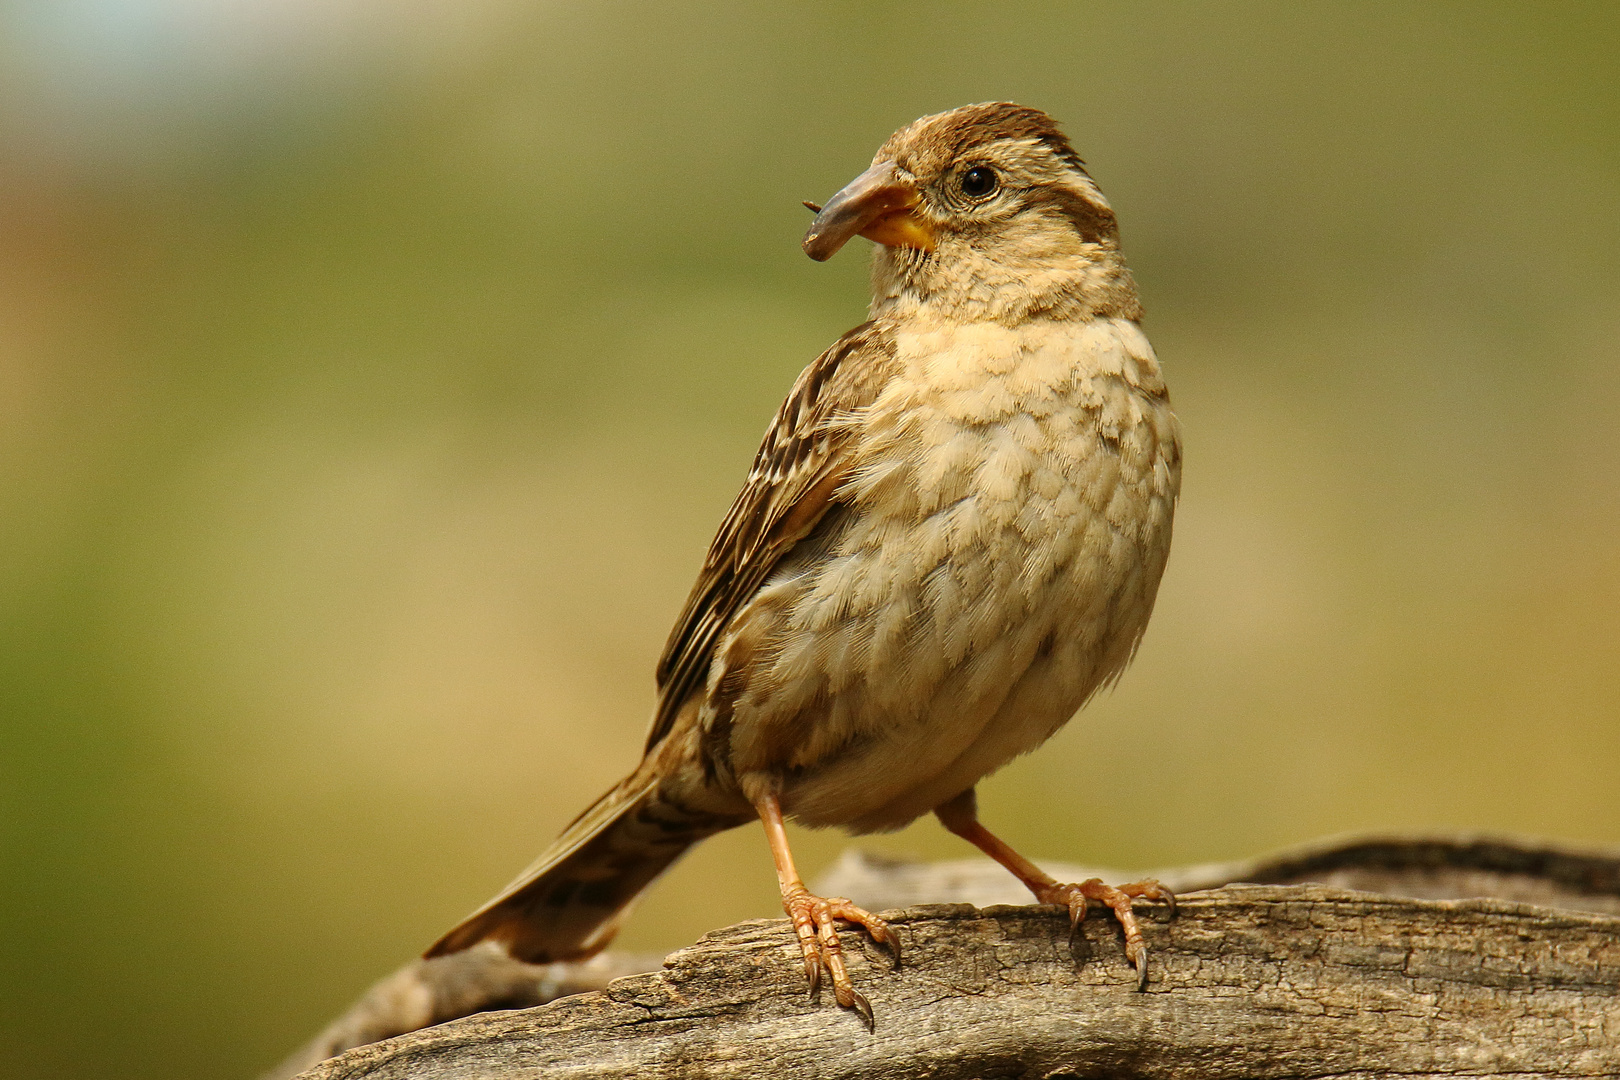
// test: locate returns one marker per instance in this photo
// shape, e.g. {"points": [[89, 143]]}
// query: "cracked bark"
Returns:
{"points": [[1283, 980]]}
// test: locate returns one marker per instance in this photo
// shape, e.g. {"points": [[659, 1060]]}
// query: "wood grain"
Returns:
{"points": [[1250, 980]]}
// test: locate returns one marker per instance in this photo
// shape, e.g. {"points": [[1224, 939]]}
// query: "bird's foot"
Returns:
{"points": [[1118, 899], [812, 918]]}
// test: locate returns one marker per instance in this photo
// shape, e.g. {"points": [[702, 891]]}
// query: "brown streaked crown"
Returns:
{"points": [[957, 132]]}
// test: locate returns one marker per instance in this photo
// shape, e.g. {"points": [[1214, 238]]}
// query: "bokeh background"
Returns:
{"points": [[373, 373]]}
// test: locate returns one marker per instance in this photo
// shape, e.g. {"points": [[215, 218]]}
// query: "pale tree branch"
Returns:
{"points": [[1275, 980]]}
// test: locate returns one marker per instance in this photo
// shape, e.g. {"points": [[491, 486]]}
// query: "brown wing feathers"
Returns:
{"points": [[794, 480]]}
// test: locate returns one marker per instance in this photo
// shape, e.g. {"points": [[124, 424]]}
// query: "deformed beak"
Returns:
{"points": [[879, 204]]}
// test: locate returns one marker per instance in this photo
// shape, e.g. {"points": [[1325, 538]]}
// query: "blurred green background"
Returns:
{"points": [[372, 375]]}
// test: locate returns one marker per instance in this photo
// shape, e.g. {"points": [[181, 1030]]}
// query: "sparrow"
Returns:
{"points": [[950, 539]]}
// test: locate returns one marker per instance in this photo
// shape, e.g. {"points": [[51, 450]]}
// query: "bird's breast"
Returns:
{"points": [[1008, 511], [1005, 473]]}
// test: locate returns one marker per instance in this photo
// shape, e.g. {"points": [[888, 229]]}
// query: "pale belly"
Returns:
{"points": [[1007, 527]]}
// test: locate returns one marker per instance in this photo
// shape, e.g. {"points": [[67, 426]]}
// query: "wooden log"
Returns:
{"points": [[1249, 981]]}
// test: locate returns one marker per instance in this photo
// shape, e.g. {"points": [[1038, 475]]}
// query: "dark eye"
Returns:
{"points": [[979, 181]]}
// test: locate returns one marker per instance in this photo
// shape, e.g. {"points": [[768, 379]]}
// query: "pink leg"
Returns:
{"points": [[813, 916], [961, 816]]}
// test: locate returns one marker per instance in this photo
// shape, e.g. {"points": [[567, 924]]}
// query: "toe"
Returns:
{"points": [[832, 955], [878, 930], [1150, 889]]}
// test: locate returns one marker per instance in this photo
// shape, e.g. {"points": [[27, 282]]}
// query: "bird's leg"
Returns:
{"points": [[961, 816], [813, 916]]}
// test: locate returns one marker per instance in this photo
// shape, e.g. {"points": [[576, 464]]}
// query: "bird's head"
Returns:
{"points": [[986, 211]]}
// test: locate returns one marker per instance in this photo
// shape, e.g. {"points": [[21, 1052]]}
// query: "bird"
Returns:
{"points": [[950, 539]]}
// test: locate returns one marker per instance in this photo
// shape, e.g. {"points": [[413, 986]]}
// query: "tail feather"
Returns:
{"points": [[568, 905]]}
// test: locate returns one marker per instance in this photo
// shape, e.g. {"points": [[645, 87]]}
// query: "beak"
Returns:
{"points": [[879, 205]]}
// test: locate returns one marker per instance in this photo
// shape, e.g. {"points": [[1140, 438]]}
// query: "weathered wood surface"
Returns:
{"points": [[428, 992], [1250, 981]]}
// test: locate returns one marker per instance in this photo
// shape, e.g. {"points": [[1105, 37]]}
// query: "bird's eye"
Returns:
{"points": [[979, 181]]}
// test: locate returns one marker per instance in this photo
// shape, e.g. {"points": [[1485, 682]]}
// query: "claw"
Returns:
{"points": [[889, 940], [859, 1003], [1141, 970], [1077, 914]]}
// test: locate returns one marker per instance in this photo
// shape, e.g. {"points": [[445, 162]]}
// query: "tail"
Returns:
{"points": [[568, 905]]}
